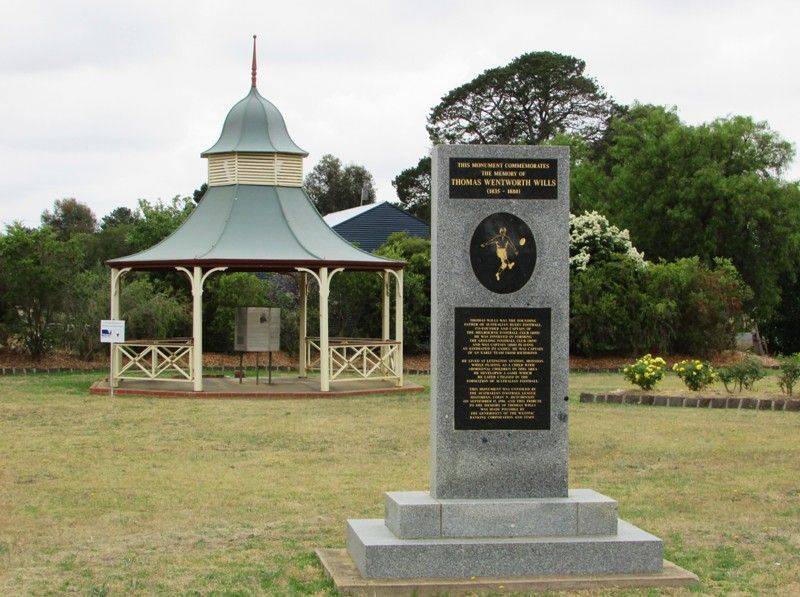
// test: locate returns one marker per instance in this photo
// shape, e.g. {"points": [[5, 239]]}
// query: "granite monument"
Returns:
{"points": [[499, 504]]}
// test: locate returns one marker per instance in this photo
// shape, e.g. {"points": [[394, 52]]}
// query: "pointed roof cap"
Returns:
{"points": [[254, 125]]}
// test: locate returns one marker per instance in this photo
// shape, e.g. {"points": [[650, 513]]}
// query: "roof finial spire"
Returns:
{"points": [[253, 70]]}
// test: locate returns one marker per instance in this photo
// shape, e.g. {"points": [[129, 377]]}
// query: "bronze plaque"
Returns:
{"points": [[502, 368], [487, 178], [502, 252]]}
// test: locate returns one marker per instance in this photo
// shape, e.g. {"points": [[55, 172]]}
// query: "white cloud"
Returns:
{"points": [[110, 102]]}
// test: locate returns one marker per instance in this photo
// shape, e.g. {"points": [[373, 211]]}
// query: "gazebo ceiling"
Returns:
{"points": [[255, 227]]}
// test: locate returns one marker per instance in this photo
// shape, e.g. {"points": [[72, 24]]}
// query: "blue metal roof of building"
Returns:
{"points": [[369, 226]]}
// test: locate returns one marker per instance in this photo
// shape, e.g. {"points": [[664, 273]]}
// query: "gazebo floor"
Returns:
{"points": [[228, 387]]}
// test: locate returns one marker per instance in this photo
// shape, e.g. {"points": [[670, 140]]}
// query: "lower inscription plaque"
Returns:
{"points": [[502, 368]]}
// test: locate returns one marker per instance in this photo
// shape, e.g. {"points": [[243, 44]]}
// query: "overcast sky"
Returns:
{"points": [[110, 102]]}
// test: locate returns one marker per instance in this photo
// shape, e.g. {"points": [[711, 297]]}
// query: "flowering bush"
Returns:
{"points": [[696, 374], [646, 372], [593, 239]]}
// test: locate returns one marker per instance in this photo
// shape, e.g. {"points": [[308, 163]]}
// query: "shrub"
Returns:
{"points": [[695, 374], [617, 306], [85, 304], [152, 313], [36, 271], [611, 311], [709, 303], [743, 375], [790, 373], [646, 372], [223, 294], [416, 252], [592, 239]]}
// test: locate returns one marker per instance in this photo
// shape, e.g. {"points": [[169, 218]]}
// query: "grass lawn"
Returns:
{"points": [[183, 496]]}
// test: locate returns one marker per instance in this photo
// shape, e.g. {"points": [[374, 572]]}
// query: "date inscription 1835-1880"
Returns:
{"points": [[502, 368]]}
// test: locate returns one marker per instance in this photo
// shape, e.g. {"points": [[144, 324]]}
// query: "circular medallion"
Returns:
{"points": [[503, 253]]}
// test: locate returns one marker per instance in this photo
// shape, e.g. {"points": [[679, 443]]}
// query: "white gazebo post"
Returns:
{"points": [[197, 328], [116, 277], [302, 326], [398, 323], [197, 279], [386, 325], [324, 352]]}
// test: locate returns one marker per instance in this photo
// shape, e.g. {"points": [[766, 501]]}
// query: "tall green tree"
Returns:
{"points": [[86, 302], [413, 186], [711, 190], [70, 217], [157, 220], [36, 272], [416, 252], [529, 100], [333, 187], [119, 216], [533, 99]]}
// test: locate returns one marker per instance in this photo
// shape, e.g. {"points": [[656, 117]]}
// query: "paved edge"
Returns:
{"points": [[345, 576], [775, 403], [97, 389]]}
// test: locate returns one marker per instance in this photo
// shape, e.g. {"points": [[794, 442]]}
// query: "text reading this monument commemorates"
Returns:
{"points": [[482, 178], [502, 368]]}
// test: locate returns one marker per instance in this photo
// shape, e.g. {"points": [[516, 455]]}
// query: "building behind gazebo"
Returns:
{"points": [[255, 216]]}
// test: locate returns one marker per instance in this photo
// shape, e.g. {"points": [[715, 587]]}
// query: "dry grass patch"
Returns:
{"points": [[147, 495]]}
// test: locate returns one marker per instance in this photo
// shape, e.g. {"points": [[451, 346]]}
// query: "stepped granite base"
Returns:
{"points": [[423, 537]]}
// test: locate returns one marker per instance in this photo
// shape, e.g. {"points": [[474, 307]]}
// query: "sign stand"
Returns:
{"points": [[111, 371], [111, 332]]}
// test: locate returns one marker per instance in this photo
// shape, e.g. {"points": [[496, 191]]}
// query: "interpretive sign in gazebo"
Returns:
{"points": [[255, 216]]}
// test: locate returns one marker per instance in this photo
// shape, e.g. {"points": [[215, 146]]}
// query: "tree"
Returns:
{"points": [[333, 187], [119, 216], [527, 101], [86, 302], [712, 190], [69, 217], [36, 271], [198, 194], [224, 294], [158, 220], [413, 187], [416, 252], [782, 329], [153, 312]]}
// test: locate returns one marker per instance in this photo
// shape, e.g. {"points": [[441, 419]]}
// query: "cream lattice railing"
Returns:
{"points": [[152, 359], [358, 358]]}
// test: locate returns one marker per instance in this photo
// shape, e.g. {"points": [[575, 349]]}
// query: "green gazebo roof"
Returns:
{"points": [[259, 227], [254, 125], [255, 227]]}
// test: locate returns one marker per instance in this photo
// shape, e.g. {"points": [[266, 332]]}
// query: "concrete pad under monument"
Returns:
{"points": [[499, 507]]}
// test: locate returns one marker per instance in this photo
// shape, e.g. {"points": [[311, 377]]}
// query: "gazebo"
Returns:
{"points": [[255, 216]]}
